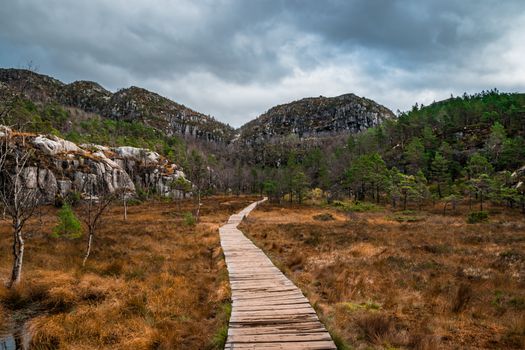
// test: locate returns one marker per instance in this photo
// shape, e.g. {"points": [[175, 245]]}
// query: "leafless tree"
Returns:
{"points": [[181, 185], [126, 194], [19, 199], [93, 208]]}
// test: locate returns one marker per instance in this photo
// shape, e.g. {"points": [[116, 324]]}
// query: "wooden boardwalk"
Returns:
{"points": [[268, 310]]}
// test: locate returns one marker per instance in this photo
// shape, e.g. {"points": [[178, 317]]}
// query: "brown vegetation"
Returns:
{"points": [[153, 281], [404, 280]]}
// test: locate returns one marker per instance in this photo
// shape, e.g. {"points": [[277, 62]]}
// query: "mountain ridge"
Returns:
{"points": [[125, 104], [346, 112]]}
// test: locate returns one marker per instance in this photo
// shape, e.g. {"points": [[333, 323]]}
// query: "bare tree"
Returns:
{"points": [[18, 198], [95, 205], [197, 172], [181, 185], [126, 193]]}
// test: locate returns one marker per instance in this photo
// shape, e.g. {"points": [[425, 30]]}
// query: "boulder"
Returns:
{"points": [[54, 145], [64, 187], [143, 155], [519, 178], [4, 131], [47, 183]]}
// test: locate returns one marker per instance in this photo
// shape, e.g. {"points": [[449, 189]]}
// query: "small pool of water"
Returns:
{"points": [[15, 338]]}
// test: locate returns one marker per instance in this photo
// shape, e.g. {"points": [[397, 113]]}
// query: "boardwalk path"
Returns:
{"points": [[268, 311]]}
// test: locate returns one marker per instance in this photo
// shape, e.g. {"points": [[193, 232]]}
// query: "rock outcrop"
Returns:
{"points": [[85, 95], [58, 167], [519, 178], [165, 115]]}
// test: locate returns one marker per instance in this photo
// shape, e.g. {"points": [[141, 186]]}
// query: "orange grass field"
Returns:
{"points": [[403, 280], [152, 282]]}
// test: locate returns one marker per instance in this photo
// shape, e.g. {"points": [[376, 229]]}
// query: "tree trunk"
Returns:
{"points": [[405, 202], [481, 202], [198, 205], [18, 253], [88, 249], [125, 209]]}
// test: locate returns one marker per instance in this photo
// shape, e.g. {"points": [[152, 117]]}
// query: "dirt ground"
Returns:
{"points": [[403, 280], [152, 281]]}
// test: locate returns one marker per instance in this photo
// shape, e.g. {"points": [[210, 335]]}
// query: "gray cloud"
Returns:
{"points": [[235, 59]]}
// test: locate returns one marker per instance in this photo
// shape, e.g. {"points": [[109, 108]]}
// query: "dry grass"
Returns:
{"points": [[380, 281], [152, 281]]}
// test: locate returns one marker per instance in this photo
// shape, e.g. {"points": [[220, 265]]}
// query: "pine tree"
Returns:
{"points": [[495, 142], [481, 185], [299, 184], [414, 155], [440, 173], [68, 224], [477, 164]]}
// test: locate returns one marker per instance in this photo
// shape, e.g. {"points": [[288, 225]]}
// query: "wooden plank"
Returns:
{"points": [[272, 338], [318, 345], [268, 310]]}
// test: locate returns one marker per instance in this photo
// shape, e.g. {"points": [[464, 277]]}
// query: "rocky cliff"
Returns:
{"points": [[314, 117], [131, 104], [300, 126], [58, 167]]}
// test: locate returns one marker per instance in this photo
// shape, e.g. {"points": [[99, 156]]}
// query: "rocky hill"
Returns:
{"points": [[131, 104], [315, 117], [58, 167]]}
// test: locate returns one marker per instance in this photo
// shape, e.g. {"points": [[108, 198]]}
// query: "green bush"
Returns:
{"points": [[477, 216], [189, 219], [406, 218], [359, 207], [68, 224]]}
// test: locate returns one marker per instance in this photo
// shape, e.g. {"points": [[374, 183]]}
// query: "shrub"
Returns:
{"points": [[406, 218], [324, 217], [376, 327], [315, 196], [477, 216], [68, 224], [189, 219], [359, 207]]}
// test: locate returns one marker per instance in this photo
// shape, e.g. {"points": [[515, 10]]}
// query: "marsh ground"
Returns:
{"points": [[403, 280], [152, 282]]}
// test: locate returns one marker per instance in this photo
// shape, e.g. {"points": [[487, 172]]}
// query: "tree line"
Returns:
{"points": [[463, 147]]}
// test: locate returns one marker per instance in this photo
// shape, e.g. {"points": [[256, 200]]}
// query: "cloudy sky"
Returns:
{"points": [[235, 59]]}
